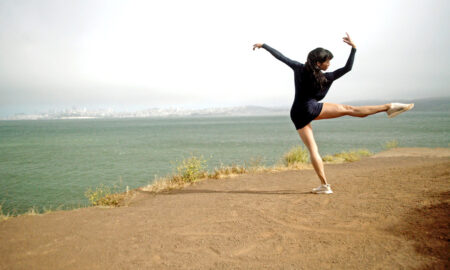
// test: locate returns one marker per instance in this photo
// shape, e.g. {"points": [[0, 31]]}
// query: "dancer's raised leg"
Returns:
{"points": [[332, 110], [306, 134]]}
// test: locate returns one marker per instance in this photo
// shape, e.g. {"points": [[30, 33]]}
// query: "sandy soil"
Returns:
{"points": [[389, 211]]}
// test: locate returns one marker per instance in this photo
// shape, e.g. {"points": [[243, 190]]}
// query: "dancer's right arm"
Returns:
{"points": [[277, 55]]}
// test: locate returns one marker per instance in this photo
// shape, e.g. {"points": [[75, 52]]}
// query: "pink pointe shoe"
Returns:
{"points": [[398, 108]]}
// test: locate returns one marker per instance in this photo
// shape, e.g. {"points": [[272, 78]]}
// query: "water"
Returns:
{"points": [[51, 163]]}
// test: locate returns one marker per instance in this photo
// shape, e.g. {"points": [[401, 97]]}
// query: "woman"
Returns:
{"points": [[311, 86]]}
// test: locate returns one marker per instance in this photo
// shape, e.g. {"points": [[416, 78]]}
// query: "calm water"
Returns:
{"points": [[50, 163]]}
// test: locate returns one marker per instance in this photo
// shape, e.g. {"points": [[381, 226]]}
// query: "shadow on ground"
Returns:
{"points": [[429, 228], [256, 192]]}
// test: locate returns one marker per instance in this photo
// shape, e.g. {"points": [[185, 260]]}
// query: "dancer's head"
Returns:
{"points": [[318, 59]]}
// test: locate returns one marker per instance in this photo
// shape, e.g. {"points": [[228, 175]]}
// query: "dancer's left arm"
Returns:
{"points": [[348, 66]]}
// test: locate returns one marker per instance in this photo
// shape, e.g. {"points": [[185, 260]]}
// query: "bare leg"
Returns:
{"points": [[331, 110], [306, 134]]}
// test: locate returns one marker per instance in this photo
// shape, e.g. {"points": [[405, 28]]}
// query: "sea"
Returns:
{"points": [[49, 164]]}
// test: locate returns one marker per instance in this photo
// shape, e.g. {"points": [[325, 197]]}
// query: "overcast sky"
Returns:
{"points": [[138, 54]]}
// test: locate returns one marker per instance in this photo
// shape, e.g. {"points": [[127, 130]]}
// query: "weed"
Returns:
{"points": [[191, 169], [391, 144], [3, 216], [347, 156], [254, 162], [227, 171], [297, 154], [33, 211], [104, 196]]}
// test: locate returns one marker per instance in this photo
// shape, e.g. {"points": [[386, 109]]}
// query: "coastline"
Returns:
{"points": [[140, 151], [376, 218]]}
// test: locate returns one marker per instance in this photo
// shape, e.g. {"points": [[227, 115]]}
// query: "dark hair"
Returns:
{"points": [[313, 71]]}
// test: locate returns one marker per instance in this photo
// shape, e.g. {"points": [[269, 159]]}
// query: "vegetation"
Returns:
{"points": [[3, 216], [297, 154], [227, 171], [193, 169], [347, 156], [106, 196], [391, 144], [253, 163], [34, 210]]}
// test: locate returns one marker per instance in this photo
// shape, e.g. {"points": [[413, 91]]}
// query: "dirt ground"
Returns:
{"points": [[388, 211]]}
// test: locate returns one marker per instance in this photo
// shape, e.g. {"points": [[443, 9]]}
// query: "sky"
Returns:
{"points": [[131, 55]]}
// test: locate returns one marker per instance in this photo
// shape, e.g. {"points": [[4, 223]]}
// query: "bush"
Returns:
{"points": [[191, 169], [94, 196], [104, 196], [297, 154]]}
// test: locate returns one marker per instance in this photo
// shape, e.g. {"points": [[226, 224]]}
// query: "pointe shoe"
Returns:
{"points": [[398, 108]]}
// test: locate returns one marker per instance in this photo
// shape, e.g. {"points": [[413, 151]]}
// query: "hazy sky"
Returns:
{"points": [[195, 54]]}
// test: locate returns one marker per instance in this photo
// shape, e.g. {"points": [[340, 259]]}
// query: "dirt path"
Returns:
{"points": [[389, 211]]}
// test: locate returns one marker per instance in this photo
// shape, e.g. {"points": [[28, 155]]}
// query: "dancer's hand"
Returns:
{"points": [[349, 41], [257, 45]]}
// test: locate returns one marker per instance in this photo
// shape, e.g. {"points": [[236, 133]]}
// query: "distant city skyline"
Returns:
{"points": [[441, 104], [134, 55]]}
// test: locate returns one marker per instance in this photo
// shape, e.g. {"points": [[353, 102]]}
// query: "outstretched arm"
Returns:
{"points": [[277, 55], [348, 66]]}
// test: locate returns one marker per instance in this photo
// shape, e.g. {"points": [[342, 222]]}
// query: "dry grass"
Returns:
{"points": [[35, 211], [106, 196], [297, 158], [297, 154], [347, 156], [193, 169], [4, 216], [391, 144], [223, 171], [178, 181], [32, 211]]}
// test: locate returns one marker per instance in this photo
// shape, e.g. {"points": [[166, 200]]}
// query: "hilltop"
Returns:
{"points": [[389, 211]]}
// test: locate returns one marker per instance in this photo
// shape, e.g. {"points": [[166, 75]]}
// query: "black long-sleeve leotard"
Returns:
{"points": [[306, 107]]}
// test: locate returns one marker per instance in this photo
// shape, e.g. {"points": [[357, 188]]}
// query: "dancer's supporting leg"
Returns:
{"points": [[306, 134], [332, 110]]}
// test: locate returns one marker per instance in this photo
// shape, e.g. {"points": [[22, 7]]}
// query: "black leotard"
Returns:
{"points": [[306, 107]]}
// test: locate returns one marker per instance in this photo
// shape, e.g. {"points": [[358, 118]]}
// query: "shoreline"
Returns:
{"points": [[162, 183], [376, 218]]}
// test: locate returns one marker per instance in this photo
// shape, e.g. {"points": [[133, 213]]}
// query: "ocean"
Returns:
{"points": [[51, 163]]}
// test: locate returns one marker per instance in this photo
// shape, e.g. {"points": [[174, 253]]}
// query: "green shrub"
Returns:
{"points": [[391, 144], [297, 154], [94, 196], [105, 196], [191, 169]]}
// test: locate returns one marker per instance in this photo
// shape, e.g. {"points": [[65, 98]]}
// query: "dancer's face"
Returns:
{"points": [[324, 66]]}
